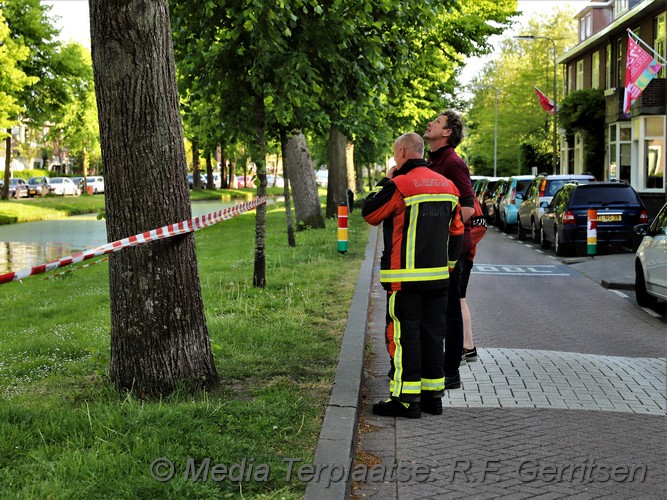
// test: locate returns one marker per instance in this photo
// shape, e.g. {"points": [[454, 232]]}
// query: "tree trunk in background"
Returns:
{"points": [[337, 188], [159, 338], [296, 161], [258, 151], [196, 177], [209, 172], [349, 166], [223, 170], [8, 162], [291, 240]]}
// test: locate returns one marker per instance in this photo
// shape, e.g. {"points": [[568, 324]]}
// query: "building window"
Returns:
{"points": [[654, 153], [580, 74], [620, 7], [659, 42], [607, 68], [570, 79], [595, 70], [620, 151], [585, 27]]}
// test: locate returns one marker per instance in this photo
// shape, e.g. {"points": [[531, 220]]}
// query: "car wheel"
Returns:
{"points": [[502, 223], [643, 297], [521, 232], [534, 232], [558, 244], [543, 241]]}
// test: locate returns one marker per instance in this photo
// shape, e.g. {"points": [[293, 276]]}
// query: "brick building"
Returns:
{"points": [[636, 145]]}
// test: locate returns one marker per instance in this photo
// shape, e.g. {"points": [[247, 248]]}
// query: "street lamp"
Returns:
{"points": [[495, 130], [555, 140]]}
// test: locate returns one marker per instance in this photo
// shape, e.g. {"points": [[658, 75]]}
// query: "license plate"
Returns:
{"points": [[609, 218]]}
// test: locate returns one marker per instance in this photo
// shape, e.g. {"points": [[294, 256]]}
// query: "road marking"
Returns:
{"points": [[517, 270], [620, 294], [651, 312]]}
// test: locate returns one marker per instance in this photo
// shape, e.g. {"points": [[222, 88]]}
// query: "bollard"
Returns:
{"points": [[342, 228], [592, 232]]}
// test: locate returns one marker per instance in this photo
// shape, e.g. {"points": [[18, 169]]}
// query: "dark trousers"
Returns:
{"points": [[414, 337], [453, 323]]}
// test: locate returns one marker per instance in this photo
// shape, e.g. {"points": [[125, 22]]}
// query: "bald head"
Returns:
{"points": [[409, 146]]}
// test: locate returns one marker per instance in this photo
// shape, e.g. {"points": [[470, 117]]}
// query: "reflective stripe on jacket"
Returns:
{"points": [[423, 231]]}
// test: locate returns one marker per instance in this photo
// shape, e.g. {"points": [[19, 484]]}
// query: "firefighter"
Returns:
{"points": [[423, 233]]}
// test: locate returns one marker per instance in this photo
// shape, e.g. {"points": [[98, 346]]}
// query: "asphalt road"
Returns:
{"points": [[523, 297]]}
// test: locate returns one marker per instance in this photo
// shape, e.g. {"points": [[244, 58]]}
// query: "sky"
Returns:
{"points": [[75, 25]]}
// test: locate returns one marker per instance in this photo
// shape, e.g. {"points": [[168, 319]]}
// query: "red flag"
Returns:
{"points": [[546, 103], [640, 69]]}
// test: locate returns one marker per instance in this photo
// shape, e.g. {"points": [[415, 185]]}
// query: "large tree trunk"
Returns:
{"points": [[259, 157], [296, 161], [337, 188], [291, 240], [8, 162], [159, 338]]}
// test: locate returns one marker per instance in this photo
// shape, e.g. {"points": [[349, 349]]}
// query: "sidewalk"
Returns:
{"points": [[505, 434]]}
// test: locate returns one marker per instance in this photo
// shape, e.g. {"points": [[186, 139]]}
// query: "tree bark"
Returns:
{"points": [[8, 162], [337, 187], [159, 338], [291, 240], [196, 178], [297, 161], [209, 172], [259, 157]]}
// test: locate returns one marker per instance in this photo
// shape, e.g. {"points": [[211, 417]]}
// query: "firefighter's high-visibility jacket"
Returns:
{"points": [[423, 231]]}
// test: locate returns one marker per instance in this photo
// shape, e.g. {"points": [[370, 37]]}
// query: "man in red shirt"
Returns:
{"points": [[422, 233], [443, 135]]}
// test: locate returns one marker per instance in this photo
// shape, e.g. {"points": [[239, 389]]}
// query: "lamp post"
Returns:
{"points": [[555, 134], [495, 129]]}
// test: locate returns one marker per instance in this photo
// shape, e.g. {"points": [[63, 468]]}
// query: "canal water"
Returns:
{"points": [[33, 243]]}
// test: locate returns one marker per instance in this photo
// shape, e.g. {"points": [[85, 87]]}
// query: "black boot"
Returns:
{"points": [[394, 408]]}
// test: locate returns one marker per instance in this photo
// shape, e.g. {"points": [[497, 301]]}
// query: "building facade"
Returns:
{"points": [[636, 144]]}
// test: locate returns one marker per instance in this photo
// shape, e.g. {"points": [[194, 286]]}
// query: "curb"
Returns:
{"points": [[336, 444]]}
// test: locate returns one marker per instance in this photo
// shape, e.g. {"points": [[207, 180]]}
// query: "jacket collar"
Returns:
{"points": [[411, 164], [433, 155]]}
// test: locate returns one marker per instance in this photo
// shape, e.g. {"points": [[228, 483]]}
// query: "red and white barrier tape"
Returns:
{"points": [[183, 227]]}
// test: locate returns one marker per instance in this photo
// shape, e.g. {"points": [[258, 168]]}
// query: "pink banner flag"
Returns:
{"points": [[640, 69], [546, 103]]}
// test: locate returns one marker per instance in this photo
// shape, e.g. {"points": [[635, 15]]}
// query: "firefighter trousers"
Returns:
{"points": [[414, 337]]}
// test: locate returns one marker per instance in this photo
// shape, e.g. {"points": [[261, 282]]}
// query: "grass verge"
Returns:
{"points": [[65, 433]]}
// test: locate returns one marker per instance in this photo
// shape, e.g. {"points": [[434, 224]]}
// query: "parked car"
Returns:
{"points": [[63, 186], [492, 202], [95, 184], [217, 180], [80, 186], [243, 182], [508, 210], [485, 190], [565, 221], [651, 261], [275, 181], [39, 186], [202, 180], [18, 188], [538, 195], [479, 184]]}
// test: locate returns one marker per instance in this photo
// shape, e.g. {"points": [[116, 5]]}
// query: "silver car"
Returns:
{"points": [[651, 261]]}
